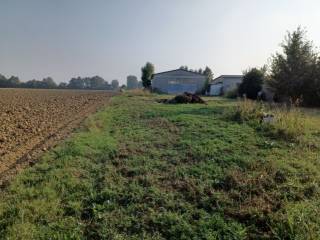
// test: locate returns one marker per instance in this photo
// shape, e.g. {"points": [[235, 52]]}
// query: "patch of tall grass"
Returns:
{"points": [[138, 93], [287, 122]]}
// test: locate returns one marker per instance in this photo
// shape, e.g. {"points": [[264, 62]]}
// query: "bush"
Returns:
{"points": [[233, 94], [252, 83]]}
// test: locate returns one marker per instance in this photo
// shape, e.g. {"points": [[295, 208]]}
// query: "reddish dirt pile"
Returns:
{"points": [[31, 121]]}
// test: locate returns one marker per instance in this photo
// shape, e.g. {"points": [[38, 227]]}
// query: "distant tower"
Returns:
{"points": [[132, 82]]}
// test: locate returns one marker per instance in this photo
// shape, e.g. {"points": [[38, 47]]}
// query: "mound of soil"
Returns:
{"points": [[184, 98]]}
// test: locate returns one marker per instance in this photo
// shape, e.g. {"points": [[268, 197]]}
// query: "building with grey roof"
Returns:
{"points": [[178, 81]]}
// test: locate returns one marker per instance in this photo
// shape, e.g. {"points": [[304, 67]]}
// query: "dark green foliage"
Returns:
{"points": [[252, 82], [49, 83], [95, 82], [46, 83], [294, 73], [146, 74], [11, 82], [76, 83]]}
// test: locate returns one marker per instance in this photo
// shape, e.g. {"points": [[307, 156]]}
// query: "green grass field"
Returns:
{"points": [[145, 170]]}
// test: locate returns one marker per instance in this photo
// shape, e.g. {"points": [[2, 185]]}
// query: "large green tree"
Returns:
{"points": [[293, 71], [147, 72]]}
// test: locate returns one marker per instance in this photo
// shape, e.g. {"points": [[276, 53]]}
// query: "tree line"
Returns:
{"points": [[293, 75], [96, 82]]}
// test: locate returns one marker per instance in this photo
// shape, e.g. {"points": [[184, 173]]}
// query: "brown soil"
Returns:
{"points": [[32, 121]]}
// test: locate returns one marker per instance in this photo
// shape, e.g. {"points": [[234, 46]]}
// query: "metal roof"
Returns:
{"points": [[225, 76], [179, 70]]}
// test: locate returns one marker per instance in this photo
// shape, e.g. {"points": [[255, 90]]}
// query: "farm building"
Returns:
{"points": [[224, 84], [178, 81]]}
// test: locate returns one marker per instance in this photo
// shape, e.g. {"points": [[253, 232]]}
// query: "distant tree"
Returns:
{"points": [[147, 74], [107, 86], [34, 84], [184, 68], [132, 82], [140, 85], [2, 77], [200, 71], [13, 81], [76, 83], [3, 81], [96, 82], [292, 72], [48, 83], [115, 84], [209, 77], [87, 82], [63, 85], [252, 82]]}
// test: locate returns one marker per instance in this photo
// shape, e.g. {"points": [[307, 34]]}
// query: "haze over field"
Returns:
{"points": [[113, 39]]}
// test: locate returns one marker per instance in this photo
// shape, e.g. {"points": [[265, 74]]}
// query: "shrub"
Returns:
{"points": [[252, 83], [233, 94]]}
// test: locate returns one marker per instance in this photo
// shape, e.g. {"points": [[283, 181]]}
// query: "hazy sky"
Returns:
{"points": [[114, 38]]}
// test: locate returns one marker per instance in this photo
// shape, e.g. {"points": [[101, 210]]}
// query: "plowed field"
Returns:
{"points": [[31, 121]]}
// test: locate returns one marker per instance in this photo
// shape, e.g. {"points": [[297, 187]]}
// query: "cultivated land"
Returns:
{"points": [[140, 169], [31, 121]]}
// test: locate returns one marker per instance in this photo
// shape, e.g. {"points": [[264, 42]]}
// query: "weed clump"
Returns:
{"points": [[279, 121], [248, 110], [290, 123]]}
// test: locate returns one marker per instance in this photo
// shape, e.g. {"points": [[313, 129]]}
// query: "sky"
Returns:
{"points": [[115, 38]]}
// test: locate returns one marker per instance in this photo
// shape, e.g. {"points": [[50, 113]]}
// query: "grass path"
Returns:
{"points": [[144, 170]]}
